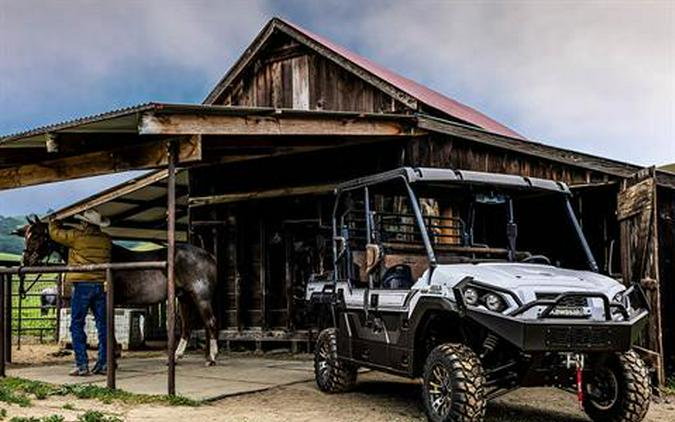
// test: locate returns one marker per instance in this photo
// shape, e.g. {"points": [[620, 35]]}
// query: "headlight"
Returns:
{"points": [[471, 296], [493, 302], [483, 296]]}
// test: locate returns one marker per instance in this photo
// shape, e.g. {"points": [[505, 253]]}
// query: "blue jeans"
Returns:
{"points": [[88, 296]]}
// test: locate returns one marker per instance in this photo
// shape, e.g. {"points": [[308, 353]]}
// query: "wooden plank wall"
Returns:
{"points": [[446, 151], [257, 293], [291, 76], [637, 214], [666, 227]]}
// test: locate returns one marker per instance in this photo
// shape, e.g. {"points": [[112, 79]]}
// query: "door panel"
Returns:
{"points": [[636, 212]]}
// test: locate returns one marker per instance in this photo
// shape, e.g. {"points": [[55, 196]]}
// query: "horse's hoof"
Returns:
{"points": [[210, 363]]}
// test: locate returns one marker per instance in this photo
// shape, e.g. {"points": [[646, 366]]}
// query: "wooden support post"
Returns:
{"points": [[263, 275], [221, 287], [110, 328], [7, 333], [237, 228], [170, 269], [19, 296], [288, 246], [59, 304]]}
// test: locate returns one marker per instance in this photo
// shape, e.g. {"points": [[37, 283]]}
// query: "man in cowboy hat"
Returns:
{"points": [[87, 244]]}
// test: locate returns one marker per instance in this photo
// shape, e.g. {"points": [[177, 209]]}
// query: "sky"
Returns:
{"points": [[594, 76]]}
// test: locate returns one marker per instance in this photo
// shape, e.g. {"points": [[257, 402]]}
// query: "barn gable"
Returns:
{"points": [[287, 66]]}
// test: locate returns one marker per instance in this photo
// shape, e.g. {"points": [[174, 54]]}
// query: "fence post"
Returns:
{"points": [[59, 286], [19, 296], [8, 322], [3, 317], [110, 328], [170, 266]]}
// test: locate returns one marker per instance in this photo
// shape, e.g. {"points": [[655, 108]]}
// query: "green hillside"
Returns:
{"points": [[9, 257], [10, 243], [669, 167]]}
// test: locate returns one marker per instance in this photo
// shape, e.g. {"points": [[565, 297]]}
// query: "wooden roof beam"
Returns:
{"points": [[274, 124], [144, 156]]}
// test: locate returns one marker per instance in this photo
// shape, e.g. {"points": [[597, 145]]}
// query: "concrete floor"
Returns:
{"points": [[231, 376]]}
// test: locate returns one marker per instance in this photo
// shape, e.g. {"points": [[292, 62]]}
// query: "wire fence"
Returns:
{"points": [[35, 311]]}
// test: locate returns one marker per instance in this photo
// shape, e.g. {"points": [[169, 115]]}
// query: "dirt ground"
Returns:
{"points": [[377, 398]]}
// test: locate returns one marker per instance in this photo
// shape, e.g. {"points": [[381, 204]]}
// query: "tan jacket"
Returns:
{"points": [[86, 246]]}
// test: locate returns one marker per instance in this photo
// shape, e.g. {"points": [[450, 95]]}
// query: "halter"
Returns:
{"points": [[51, 248]]}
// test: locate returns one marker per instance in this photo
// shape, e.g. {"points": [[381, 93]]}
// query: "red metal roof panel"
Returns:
{"points": [[420, 92]]}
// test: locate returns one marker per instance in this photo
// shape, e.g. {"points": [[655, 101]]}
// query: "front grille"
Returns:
{"points": [[570, 301], [578, 337]]}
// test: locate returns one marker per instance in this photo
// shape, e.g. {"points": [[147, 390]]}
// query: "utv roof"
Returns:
{"points": [[430, 175]]}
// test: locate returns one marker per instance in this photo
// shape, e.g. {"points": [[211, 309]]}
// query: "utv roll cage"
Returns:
{"points": [[420, 175]]}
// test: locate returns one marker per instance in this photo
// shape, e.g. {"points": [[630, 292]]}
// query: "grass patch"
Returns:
{"points": [[8, 395], [21, 388], [68, 406], [33, 323], [4, 256], [96, 416], [670, 386], [3, 414]]}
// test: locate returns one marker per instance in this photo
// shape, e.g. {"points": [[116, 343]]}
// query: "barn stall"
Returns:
{"points": [[297, 114]]}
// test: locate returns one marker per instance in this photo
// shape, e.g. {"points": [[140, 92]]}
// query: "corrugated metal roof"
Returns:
{"points": [[80, 121], [422, 93], [124, 120], [136, 208]]}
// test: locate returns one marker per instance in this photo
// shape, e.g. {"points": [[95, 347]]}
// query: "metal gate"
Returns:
{"points": [[36, 303], [638, 224]]}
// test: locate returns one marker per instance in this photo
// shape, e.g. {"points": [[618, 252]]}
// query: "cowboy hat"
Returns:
{"points": [[93, 217]]}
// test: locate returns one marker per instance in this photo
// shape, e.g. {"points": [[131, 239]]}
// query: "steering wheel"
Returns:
{"points": [[537, 259]]}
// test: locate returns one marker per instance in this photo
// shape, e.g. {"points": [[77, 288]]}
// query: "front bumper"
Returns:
{"points": [[548, 333], [562, 335]]}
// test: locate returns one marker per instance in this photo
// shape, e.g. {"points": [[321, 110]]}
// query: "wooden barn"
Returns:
{"points": [[297, 114]]}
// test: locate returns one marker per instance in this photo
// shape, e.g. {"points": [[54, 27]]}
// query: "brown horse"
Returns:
{"points": [[195, 280]]}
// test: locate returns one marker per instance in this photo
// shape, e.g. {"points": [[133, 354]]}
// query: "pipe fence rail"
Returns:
{"points": [[6, 274]]}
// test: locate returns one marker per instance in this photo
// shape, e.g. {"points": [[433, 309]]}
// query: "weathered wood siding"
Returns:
{"points": [[291, 76], [666, 247], [260, 269], [450, 152]]}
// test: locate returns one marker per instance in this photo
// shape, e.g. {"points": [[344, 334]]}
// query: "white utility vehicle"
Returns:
{"points": [[457, 277]]}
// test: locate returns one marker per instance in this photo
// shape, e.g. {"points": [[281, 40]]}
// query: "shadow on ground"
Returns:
{"points": [[500, 411], [405, 398]]}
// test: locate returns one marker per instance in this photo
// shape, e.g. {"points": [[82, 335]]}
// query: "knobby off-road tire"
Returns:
{"points": [[453, 385], [620, 391], [332, 374]]}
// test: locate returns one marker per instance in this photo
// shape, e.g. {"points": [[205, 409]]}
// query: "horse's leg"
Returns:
{"points": [[210, 326], [207, 346], [184, 326]]}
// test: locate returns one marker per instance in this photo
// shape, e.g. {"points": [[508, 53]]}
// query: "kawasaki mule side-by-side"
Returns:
{"points": [[478, 284]]}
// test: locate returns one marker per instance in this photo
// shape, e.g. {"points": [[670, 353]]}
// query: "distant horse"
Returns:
{"points": [[195, 280]]}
